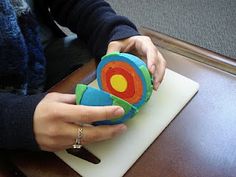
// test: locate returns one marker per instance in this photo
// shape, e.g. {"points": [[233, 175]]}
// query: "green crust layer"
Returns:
{"points": [[124, 104], [80, 89], [148, 80], [111, 54]]}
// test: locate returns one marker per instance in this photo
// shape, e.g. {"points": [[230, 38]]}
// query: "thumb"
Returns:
{"points": [[114, 47]]}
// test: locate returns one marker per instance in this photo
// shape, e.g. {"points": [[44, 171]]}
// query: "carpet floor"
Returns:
{"points": [[209, 24]]}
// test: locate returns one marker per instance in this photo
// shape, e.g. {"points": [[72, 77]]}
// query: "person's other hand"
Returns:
{"points": [[142, 47], [57, 119]]}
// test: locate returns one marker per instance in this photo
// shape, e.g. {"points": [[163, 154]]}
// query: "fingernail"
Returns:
{"points": [[156, 85], [123, 128], [153, 67], [119, 112]]}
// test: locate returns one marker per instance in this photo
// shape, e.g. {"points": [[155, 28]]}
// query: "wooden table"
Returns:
{"points": [[199, 142]]}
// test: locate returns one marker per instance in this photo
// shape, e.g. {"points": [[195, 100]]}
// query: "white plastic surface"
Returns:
{"points": [[119, 154]]}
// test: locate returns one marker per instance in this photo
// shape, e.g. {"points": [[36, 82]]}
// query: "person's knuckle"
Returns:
{"points": [[53, 131], [54, 114], [113, 44], [146, 39], [51, 95], [106, 113]]}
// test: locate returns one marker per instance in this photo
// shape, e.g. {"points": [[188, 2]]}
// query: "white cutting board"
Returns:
{"points": [[119, 154]]}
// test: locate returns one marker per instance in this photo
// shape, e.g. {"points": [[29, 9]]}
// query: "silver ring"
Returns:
{"points": [[78, 140]]}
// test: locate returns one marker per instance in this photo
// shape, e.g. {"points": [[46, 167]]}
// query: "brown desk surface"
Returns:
{"points": [[199, 142]]}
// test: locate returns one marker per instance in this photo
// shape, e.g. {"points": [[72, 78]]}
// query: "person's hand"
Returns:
{"points": [[57, 119], [142, 47]]}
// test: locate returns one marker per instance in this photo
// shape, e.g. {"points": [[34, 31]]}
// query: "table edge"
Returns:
{"points": [[194, 52]]}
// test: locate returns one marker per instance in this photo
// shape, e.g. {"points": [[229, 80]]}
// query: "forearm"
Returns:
{"points": [[16, 121], [94, 21]]}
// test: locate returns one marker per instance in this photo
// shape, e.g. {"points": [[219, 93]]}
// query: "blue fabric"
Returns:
{"points": [[22, 61]]}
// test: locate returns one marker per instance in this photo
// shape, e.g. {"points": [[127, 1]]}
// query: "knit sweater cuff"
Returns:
{"points": [[123, 31], [16, 130]]}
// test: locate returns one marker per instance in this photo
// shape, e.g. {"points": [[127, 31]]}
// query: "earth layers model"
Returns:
{"points": [[124, 80]]}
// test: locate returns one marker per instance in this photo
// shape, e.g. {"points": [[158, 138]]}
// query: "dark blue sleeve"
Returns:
{"points": [[16, 117], [94, 21]]}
